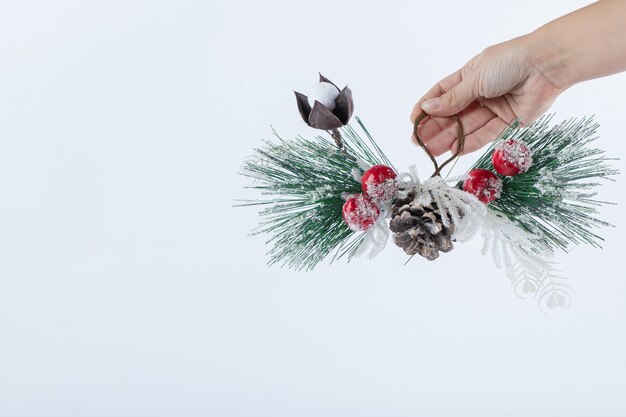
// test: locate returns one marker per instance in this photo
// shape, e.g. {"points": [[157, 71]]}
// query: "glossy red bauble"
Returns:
{"points": [[511, 157], [484, 184], [379, 183], [359, 212]]}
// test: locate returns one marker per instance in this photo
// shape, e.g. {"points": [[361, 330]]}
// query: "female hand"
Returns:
{"points": [[521, 78], [492, 90]]}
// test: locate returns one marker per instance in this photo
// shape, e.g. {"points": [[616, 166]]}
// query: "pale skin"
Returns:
{"points": [[521, 78]]}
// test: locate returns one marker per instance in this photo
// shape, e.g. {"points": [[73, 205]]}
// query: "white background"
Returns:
{"points": [[129, 287]]}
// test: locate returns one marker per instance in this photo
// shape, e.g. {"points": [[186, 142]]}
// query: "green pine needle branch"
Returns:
{"points": [[555, 198], [302, 183]]}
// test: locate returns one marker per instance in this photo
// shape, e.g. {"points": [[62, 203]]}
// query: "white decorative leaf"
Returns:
{"points": [[528, 268]]}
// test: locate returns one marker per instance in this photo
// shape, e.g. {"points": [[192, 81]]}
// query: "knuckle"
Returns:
{"points": [[451, 97]]}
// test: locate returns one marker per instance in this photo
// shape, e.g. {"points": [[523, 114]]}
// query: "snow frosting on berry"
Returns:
{"points": [[359, 212], [512, 157], [484, 184], [379, 183], [491, 190]]}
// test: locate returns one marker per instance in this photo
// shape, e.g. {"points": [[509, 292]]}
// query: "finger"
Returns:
{"points": [[482, 136], [437, 90], [472, 117], [440, 133], [436, 129], [502, 107], [453, 101], [417, 108]]}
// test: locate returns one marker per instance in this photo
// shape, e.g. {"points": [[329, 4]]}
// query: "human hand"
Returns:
{"points": [[503, 83]]}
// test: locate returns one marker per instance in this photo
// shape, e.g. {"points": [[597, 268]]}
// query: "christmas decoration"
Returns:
{"points": [[484, 184], [379, 183], [345, 199], [359, 212], [511, 157]]}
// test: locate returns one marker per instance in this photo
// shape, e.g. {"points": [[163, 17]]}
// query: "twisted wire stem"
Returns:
{"points": [[460, 143]]}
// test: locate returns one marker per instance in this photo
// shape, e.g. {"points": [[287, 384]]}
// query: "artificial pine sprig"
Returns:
{"points": [[554, 199], [302, 183], [546, 201]]}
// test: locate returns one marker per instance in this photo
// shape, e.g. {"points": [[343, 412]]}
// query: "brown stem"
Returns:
{"points": [[459, 149], [336, 135]]}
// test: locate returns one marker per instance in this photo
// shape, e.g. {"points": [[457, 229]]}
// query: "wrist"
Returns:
{"points": [[549, 59]]}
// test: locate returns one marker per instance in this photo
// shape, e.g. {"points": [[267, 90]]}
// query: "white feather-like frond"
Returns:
{"points": [[530, 271]]}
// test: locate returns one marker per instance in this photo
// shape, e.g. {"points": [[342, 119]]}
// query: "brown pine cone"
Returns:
{"points": [[418, 229]]}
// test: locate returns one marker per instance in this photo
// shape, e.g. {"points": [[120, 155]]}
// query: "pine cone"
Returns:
{"points": [[418, 229]]}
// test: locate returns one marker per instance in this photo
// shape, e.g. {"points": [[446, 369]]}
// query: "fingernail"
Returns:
{"points": [[432, 104]]}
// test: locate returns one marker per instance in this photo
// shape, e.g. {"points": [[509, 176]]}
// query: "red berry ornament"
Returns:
{"points": [[511, 157], [484, 184], [379, 183], [359, 212]]}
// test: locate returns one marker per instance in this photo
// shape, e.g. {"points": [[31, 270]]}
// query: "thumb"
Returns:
{"points": [[453, 101]]}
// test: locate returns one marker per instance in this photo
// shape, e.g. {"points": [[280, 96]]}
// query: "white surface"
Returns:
{"points": [[128, 286]]}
